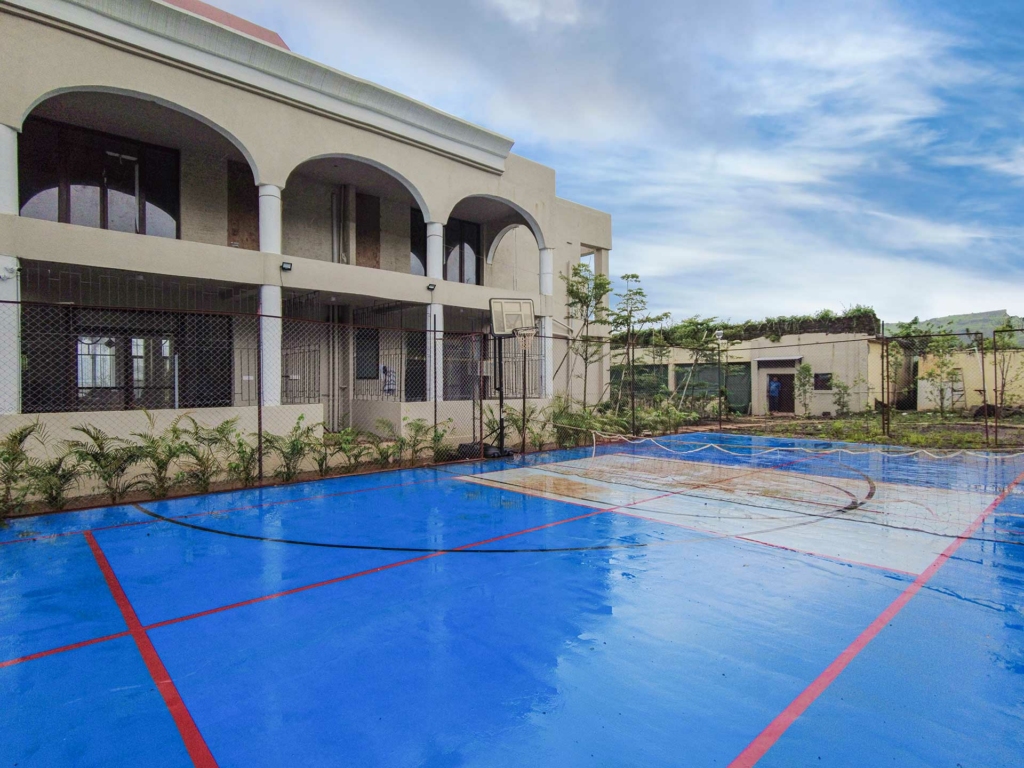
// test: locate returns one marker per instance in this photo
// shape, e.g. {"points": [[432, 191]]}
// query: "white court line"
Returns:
{"points": [[901, 527]]}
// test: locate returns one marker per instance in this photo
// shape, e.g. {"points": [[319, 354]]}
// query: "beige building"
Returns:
{"points": [[166, 156], [749, 369]]}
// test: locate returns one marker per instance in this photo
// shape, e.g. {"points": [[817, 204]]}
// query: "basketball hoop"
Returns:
{"points": [[525, 336]]}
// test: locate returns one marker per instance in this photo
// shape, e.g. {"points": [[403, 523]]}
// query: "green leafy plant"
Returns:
{"points": [[327, 446], [586, 305], [439, 450], [108, 459], [202, 463], [803, 384], [160, 450], [387, 443], [841, 397], [243, 460], [417, 436], [15, 467], [351, 447], [53, 478], [520, 421], [292, 448]]}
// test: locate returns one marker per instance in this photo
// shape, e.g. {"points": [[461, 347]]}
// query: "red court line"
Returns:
{"points": [[348, 577], [61, 649], [194, 741], [770, 735]]}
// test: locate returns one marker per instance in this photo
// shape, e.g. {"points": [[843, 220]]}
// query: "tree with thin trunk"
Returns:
{"points": [[586, 294], [629, 317]]}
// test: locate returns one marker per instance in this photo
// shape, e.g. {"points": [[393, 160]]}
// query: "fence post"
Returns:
{"points": [[886, 383], [631, 359], [259, 392], [995, 386], [980, 338], [482, 390]]}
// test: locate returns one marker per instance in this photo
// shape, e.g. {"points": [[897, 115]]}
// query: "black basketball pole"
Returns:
{"points": [[523, 424], [500, 354]]}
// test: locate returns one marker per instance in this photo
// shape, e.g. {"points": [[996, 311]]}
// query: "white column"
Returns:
{"points": [[547, 330], [547, 271], [8, 170], [435, 352], [350, 225], [270, 218], [10, 313], [270, 298], [435, 250]]}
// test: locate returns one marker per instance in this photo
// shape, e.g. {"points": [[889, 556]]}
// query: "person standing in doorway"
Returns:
{"points": [[774, 390]]}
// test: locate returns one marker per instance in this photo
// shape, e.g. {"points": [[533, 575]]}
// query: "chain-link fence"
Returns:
{"points": [[112, 404], [1007, 383]]}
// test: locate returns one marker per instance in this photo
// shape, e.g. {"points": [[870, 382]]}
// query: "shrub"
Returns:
{"points": [[53, 478], [292, 448], [201, 452], [349, 446], [108, 459], [439, 450], [15, 467], [159, 452], [243, 460]]}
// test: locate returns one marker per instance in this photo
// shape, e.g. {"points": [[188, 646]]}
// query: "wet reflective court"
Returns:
{"points": [[699, 600]]}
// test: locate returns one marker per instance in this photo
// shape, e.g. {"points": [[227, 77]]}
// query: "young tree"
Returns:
{"points": [[586, 294], [629, 317], [943, 373], [803, 383]]}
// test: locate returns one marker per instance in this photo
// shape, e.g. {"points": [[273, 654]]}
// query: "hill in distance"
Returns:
{"points": [[985, 322]]}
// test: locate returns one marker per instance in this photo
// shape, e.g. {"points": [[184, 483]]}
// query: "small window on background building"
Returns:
{"points": [[367, 353], [823, 381]]}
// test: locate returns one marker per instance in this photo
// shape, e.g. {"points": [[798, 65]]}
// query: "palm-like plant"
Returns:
{"points": [[292, 448], [242, 460], [417, 437], [201, 452], [160, 450], [387, 443], [52, 479], [350, 447], [324, 449], [108, 459], [437, 439], [15, 465]]}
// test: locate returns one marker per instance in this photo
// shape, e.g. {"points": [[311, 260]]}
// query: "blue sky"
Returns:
{"points": [[758, 158]]}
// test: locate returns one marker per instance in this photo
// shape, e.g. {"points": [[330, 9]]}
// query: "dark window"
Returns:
{"points": [[83, 177], [85, 359], [462, 261], [779, 362], [823, 381], [417, 243], [367, 353]]}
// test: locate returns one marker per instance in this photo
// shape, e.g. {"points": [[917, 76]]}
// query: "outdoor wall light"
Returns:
{"points": [[286, 266], [431, 287], [719, 334]]}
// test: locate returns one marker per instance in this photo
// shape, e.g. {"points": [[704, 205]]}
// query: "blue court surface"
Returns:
{"points": [[699, 600]]}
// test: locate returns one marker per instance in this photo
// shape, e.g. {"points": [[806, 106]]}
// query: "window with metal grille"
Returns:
{"points": [[367, 353]]}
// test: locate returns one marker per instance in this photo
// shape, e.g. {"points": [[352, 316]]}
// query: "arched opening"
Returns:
{"points": [[127, 163], [491, 241], [130, 338], [355, 211]]}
